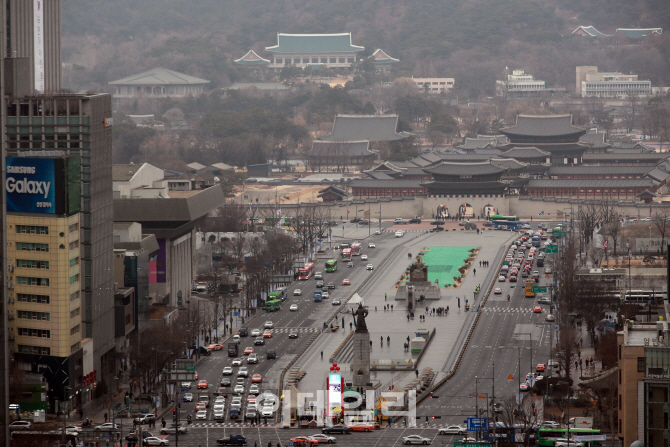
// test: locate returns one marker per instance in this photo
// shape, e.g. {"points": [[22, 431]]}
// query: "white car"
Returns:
{"points": [[253, 358], [415, 439], [153, 440], [378, 231], [202, 414], [237, 361], [253, 389], [497, 291], [218, 414], [269, 325], [267, 411], [293, 308], [336, 302], [220, 400], [501, 278], [236, 338], [452, 430], [228, 371], [24, 425], [318, 275], [524, 387], [369, 267], [255, 332], [243, 371], [239, 389], [371, 245], [325, 295], [108, 426], [188, 397], [550, 424], [550, 317], [186, 385], [297, 292], [324, 438], [364, 257]]}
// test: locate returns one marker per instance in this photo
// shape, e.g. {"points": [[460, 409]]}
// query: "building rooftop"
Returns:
{"points": [[371, 183], [599, 170], [543, 126], [614, 157], [341, 149], [591, 31], [478, 143], [365, 127], [123, 173], [380, 57], [636, 33], [594, 139], [251, 59], [464, 169], [591, 183], [159, 76], [525, 152], [258, 85], [314, 43]]}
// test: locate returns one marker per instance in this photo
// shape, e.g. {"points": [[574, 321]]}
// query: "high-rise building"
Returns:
{"points": [[80, 125], [4, 330]]}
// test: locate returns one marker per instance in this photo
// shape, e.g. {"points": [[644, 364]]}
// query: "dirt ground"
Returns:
{"points": [[283, 193]]}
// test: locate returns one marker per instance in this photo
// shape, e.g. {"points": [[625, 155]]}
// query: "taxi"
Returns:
{"points": [[248, 350], [346, 282], [202, 384]]}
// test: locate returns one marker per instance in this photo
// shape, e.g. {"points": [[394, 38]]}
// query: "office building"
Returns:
{"points": [[44, 270], [519, 84], [434, 85], [313, 50], [615, 85], [80, 125]]}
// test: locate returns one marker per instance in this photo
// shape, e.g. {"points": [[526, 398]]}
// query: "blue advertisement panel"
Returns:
{"points": [[31, 185]]}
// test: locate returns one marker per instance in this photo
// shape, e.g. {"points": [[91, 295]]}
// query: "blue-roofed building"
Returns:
{"points": [[382, 61], [252, 59], [638, 33], [589, 31], [303, 50]]}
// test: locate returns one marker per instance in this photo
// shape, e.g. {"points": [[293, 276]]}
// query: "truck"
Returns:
{"points": [[529, 289], [233, 349], [318, 295], [232, 440], [581, 422]]}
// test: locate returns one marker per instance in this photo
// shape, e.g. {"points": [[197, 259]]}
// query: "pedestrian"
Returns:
{"points": [[375, 308], [385, 297], [408, 339], [321, 355], [350, 325], [417, 374], [391, 307], [370, 344], [342, 321], [269, 444], [480, 263], [388, 339], [408, 318], [105, 417], [474, 272]]}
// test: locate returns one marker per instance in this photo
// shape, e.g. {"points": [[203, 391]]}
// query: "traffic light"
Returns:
{"points": [[179, 405], [174, 411]]}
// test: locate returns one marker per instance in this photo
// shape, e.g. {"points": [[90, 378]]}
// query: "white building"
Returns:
{"points": [[519, 84], [611, 85], [313, 50], [434, 85]]}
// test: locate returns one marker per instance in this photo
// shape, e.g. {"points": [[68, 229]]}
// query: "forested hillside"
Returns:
{"points": [[471, 40]]}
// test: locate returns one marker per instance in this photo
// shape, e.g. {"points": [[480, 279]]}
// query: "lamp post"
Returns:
{"points": [[493, 393]]}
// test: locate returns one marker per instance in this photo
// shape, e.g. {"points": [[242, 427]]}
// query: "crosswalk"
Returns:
{"points": [[286, 330], [213, 424], [525, 310]]}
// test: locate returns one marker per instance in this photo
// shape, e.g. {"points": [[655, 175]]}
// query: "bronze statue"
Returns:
{"points": [[361, 313]]}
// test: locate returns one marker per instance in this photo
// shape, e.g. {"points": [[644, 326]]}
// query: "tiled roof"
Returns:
{"points": [[417, 170], [591, 31], [598, 170], [458, 169], [371, 183], [251, 58], [196, 166], [336, 189], [123, 173], [420, 161], [431, 157], [364, 127], [636, 33], [592, 158], [543, 126], [508, 163], [525, 152], [160, 76], [314, 43], [465, 187], [342, 149], [500, 139], [258, 85], [658, 175], [477, 143], [594, 139], [487, 151], [591, 183], [465, 158], [380, 57], [378, 175]]}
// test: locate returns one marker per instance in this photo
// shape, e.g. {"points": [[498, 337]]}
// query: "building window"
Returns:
{"points": [[76, 312], [74, 295], [74, 244], [350, 60], [74, 261], [32, 264], [30, 281], [315, 60], [640, 364], [37, 350], [75, 330], [305, 60], [27, 315], [342, 60], [333, 60], [30, 246], [75, 347], [279, 60], [74, 278], [30, 298], [28, 332], [324, 60], [31, 229], [74, 227]]}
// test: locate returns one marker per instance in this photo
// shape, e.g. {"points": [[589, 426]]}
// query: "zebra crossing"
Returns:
{"points": [[286, 330], [507, 309], [214, 424]]}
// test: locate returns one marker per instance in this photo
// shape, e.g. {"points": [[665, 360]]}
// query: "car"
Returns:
{"points": [[186, 385], [342, 429], [225, 381], [350, 264], [377, 232], [255, 332], [256, 378], [524, 387], [369, 267], [293, 308], [267, 333], [524, 274], [540, 367], [172, 429], [219, 400], [146, 418], [243, 372], [153, 440], [215, 347], [319, 284], [132, 436], [336, 302], [549, 317], [219, 414], [236, 338], [297, 292], [318, 275], [544, 300], [244, 332], [437, 222], [27, 425], [363, 426], [537, 310], [253, 389], [415, 220], [228, 371], [438, 228], [497, 291], [371, 245], [271, 354], [200, 406], [201, 414], [512, 279], [267, 411], [452, 430], [107, 426], [497, 407], [239, 389], [325, 295], [364, 257], [501, 278], [363, 222], [564, 442], [248, 350], [188, 397], [547, 271], [550, 424], [535, 274], [415, 439], [259, 341], [269, 325], [323, 439], [346, 282], [331, 286], [253, 358], [355, 220], [487, 224], [304, 440]]}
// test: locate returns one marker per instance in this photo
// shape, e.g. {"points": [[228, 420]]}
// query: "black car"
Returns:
{"points": [[204, 351], [271, 354], [363, 222], [487, 224], [319, 284], [259, 341], [415, 220], [244, 332], [342, 429], [437, 222], [355, 219], [225, 381], [331, 285], [437, 228]]}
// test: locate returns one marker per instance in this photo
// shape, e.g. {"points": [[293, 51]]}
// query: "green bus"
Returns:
{"points": [[501, 217], [331, 265], [273, 305], [279, 294], [548, 436]]}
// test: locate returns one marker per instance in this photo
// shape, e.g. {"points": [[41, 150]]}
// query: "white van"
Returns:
{"points": [[201, 288], [399, 234]]}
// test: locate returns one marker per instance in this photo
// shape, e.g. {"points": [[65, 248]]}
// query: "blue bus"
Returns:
{"points": [[536, 241], [505, 224]]}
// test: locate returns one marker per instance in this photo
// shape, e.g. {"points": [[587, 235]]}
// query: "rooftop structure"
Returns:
{"points": [[637, 33], [434, 85], [341, 154], [252, 59], [159, 82], [609, 85], [303, 50], [519, 84], [365, 128], [589, 31], [382, 61]]}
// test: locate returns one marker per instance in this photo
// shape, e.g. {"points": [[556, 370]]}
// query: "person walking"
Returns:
{"points": [[105, 417], [321, 355], [385, 295], [388, 339]]}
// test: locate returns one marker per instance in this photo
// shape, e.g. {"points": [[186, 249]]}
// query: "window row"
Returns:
{"points": [[74, 227], [74, 244], [75, 330], [74, 279], [31, 246], [32, 264], [74, 261], [74, 295], [315, 60], [27, 315], [32, 229], [37, 350], [28, 332], [30, 281], [76, 312], [31, 298], [75, 347]]}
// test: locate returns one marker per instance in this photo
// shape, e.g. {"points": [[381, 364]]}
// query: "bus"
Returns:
{"points": [[306, 272], [346, 254], [279, 294], [273, 305], [505, 224], [548, 436], [501, 217], [43, 439], [510, 434], [331, 265], [356, 249], [642, 297], [536, 241]]}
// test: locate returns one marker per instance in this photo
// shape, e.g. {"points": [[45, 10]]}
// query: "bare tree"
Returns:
{"points": [[523, 415], [661, 221], [565, 267], [612, 229], [592, 302], [631, 110], [567, 346]]}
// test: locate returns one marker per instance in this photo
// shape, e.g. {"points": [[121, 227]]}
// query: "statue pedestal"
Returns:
{"points": [[360, 365]]}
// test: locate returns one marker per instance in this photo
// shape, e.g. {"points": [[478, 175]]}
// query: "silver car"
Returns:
{"points": [[415, 439]]}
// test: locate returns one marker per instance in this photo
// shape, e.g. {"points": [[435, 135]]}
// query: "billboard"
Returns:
{"points": [[38, 44], [335, 395], [43, 185], [158, 263]]}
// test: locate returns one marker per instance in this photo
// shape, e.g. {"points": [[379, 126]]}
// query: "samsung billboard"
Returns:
{"points": [[41, 185]]}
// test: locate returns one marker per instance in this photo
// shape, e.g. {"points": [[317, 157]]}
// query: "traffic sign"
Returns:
{"points": [[510, 377], [558, 233], [190, 368], [552, 248], [538, 289], [476, 424]]}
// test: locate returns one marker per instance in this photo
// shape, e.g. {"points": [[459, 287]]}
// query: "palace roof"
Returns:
{"points": [[525, 152], [380, 57], [465, 187], [251, 58], [595, 140], [616, 157], [341, 149], [478, 143], [365, 127], [636, 33], [314, 43], [598, 170], [394, 183], [460, 169], [591, 183], [159, 76], [543, 126], [591, 31]]}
